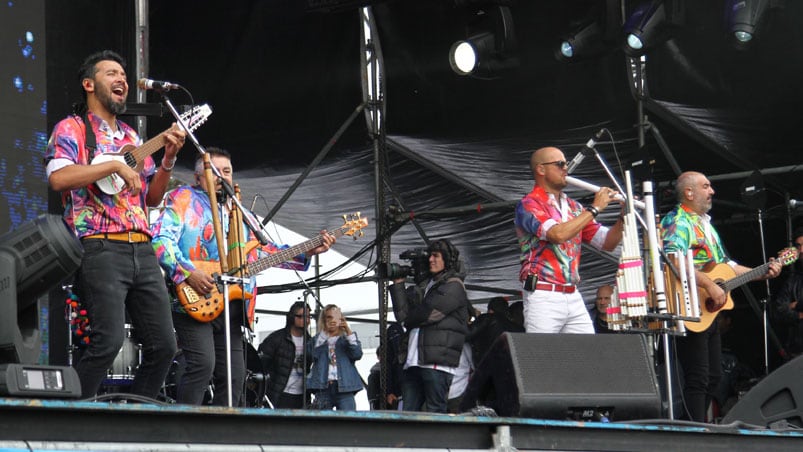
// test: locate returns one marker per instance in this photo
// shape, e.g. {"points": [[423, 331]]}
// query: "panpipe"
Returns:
{"points": [[681, 289], [237, 251], [630, 282]]}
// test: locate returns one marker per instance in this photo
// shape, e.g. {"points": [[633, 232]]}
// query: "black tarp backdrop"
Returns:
{"points": [[281, 80]]}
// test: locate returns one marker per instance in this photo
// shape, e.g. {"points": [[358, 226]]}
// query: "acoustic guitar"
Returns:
{"points": [[725, 277], [205, 308], [134, 156]]}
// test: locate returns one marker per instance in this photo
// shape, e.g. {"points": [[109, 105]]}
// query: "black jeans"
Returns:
{"points": [[425, 386], [115, 277], [700, 356], [203, 346]]}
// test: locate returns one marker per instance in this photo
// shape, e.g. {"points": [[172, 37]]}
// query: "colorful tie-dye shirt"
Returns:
{"points": [[184, 233], [87, 210], [552, 263], [684, 229]]}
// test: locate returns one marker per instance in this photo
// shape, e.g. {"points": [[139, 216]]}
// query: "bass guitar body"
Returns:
{"points": [[205, 308]]}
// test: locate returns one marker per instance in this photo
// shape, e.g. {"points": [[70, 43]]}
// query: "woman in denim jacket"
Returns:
{"points": [[333, 378]]}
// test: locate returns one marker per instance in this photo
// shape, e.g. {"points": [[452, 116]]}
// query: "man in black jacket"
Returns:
{"points": [[282, 354], [489, 326], [436, 317]]}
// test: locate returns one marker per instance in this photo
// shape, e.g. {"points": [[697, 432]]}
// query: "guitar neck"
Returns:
{"points": [[745, 278], [287, 254], [147, 148]]}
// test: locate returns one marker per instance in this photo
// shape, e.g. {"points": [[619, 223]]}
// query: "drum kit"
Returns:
{"points": [[120, 376]]}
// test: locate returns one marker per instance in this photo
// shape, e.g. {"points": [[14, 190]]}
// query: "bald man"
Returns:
{"points": [[688, 227], [550, 228], [603, 300]]}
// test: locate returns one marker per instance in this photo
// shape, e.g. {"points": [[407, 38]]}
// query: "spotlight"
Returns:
{"points": [[489, 49], [587, 41], [594, 34], [34, 258], [651, 24], [743, 17]]}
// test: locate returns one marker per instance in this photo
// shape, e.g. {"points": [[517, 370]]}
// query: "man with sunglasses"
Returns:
{"points": [[551, 228]]}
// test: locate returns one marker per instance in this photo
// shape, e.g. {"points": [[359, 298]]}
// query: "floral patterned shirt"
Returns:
{"points": [[552, 263], [88, 210]]}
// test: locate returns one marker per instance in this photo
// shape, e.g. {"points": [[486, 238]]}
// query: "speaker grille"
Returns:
{"points": [[567, 376], [568, 363]]}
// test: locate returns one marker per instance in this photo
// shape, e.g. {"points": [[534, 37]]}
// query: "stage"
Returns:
{"points": [[28, 424]]}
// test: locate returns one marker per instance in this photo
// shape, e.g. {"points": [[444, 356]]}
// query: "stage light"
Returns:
{"points": [[490, 47], [585, 42], [743, 17], [650, 24], [594, 33], [34, 258]]}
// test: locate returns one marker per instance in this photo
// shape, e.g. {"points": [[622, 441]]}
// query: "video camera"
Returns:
{"points": [[418, 268]]}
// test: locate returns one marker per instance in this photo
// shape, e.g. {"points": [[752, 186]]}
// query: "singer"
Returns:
{"points": [[118, 269], [185, 244], [550, 228]]}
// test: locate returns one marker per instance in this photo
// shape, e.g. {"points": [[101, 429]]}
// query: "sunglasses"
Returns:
{"points": [[562, 164]]}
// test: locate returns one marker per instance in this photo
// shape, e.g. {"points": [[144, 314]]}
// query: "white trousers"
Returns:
{"points": [[556, 312]]}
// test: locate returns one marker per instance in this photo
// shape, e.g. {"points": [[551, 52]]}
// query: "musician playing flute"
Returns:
{"points": [[688, 227], [551, 228], [118, 270], [183, 238]]}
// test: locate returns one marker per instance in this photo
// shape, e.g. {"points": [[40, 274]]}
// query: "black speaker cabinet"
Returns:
{"points": [[566, 376], [775, 399]]}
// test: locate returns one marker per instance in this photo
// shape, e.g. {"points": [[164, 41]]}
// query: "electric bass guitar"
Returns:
{"points": [[205, 308], [135, 156], [724, 276]]}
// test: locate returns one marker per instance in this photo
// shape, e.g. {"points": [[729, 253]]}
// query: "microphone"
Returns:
{"points": [[794, 203], [587, 150], [146, 83]]}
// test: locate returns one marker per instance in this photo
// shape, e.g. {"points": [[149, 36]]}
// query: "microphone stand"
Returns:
{"points": [[223, 279], [249, 218], [765, 320]]}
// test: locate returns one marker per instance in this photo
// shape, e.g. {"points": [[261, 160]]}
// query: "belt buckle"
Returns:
{"points": [[130, 238]]}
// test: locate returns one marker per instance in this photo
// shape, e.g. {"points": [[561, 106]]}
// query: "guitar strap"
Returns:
{"points": [[89, 137]]}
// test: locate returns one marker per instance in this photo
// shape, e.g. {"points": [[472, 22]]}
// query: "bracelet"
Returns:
{"points": [[172, 165], [593, 210]]}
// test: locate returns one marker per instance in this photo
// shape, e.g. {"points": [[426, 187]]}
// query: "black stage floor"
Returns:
{"points": [[33, 424]]}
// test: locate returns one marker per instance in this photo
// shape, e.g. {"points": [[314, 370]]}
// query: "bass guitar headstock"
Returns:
{"points": [[353, 224]]}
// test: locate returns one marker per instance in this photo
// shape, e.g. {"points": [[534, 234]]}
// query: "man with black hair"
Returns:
{"points": [[282, 355], [787, 309], [185, 244], [435, 314], [118, 271]]}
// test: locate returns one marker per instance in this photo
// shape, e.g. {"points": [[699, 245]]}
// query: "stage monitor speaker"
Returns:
{"points": [[776, 401], [566, 376]]}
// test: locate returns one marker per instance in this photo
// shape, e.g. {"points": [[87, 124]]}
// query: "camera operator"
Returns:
{"points": [[435, 313]]}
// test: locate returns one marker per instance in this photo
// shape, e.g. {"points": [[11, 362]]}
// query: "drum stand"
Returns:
{"points": [[71, 313]]}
